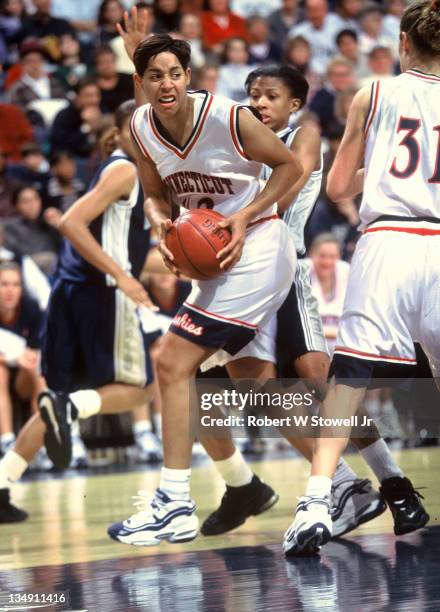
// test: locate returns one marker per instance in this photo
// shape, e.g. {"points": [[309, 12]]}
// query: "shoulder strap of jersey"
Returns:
{"points": [[140, 115]]}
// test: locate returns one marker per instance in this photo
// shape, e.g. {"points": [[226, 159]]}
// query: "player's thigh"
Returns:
{"points": [[177, 357], [251, 367]]}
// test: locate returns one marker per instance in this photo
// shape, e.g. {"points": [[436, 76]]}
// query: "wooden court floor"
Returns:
{"points": [[63, 547]]}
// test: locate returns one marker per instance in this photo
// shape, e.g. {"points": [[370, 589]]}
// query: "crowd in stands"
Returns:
{"points": [[64, 71]]}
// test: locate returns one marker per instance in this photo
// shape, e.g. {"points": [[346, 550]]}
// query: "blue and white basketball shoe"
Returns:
{"points": [[311, 528], [160, 519]]}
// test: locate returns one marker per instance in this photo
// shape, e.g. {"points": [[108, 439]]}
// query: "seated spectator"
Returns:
{"points": [[347, 13], [298, 54], [7, 187], [391, 20], [219, 24], [12, 13], [191, 31], [33, 170], [115, 88], [109, 15], [282, 20], [320, 29], [371, 18], [70, 67], [75, 128], [234, 70], [29, 234], [62, 189], [48, 29], [82, 16], [348, 46], [329, 279], [21, 322], [15, 131], [340, 76], [167, 16], [261, 49], [207, 78], [35, 82], [380, 65], [35, 283]]}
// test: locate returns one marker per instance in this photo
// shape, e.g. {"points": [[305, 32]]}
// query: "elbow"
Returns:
{"points": [[335, 191], [65, 226]]}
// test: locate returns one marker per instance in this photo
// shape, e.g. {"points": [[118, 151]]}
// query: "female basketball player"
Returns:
{"points": [[95, 354], [392, 296]]}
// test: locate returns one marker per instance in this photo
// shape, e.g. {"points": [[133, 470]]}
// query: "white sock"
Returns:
{"points": [[234, 470], [88, 402], [319, 486], [6, 438], [12, 467], [175, 483], [140, 427], [380, 460], [156, 417], [343, 473]]}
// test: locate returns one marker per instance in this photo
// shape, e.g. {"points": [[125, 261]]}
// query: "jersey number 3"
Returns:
{"points": [[411, 126]]}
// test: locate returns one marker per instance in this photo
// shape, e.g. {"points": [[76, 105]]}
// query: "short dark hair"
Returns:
{"points": [[160, 43], [291, 77], [19, 190], [347, 32], [85, 82], [59, 155], [123, 112], [103, 50]]}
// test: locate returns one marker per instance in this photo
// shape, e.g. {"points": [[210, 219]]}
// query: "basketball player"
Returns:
{"points": [[392, 296], [277, 92], [95, 354]]}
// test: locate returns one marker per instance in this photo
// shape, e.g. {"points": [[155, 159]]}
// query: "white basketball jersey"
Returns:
{"points": [[402, 155], [299, 211], [211, 170]]}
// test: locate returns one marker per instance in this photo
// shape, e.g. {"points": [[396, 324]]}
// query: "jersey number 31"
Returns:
{"points": [[411, 126]]}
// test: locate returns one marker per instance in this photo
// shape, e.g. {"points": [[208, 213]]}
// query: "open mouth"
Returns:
{"points": [[167, 100], [265, 119]]}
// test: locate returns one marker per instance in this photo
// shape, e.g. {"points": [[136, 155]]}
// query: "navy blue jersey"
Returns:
{"points": [[27, 323], [122, 231]]}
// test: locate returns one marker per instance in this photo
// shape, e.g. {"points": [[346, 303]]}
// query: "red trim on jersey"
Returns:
{"points": [[407, 230], [376, 86], [213, 315], [183, 153], [275, 216], [343, 349], [233, 119], [137, 137], [426, 77]]}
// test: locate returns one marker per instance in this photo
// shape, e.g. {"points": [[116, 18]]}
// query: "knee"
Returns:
{"points": [[170, 367]]}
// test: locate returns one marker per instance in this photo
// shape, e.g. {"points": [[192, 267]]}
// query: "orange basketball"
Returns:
{"points": [[195, 239]]}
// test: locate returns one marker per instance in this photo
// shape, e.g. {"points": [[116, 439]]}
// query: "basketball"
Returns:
{"points": [[194, 239]]}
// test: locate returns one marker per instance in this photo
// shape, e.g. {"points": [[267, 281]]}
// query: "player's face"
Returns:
{"points": [[164, 83], [10, 289], [274, 101], [325, 258]]}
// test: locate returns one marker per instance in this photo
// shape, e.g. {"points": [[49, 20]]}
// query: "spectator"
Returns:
{"points": [[348, 46], [343, 103], [391, 21], [29, 234], [82, 15], [251, 8], [207, 78], [261, 49], [347, 13], [115, 88], [380, 64], [109, 15], [329, 279], [33, 170], [70, 68], [219, 24], [63, 188], [320, 29], [46, 28], [35, 282], [281, 21], [12, 14], [7, 187], [191, 31], [35, 83], [340, 76], [166, 16], [75, 128], [234, 70], [15, 131], [371, 36], [298, 54], [20, 326]]}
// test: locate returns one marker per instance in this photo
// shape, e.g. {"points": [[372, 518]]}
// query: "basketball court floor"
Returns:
{"points": [[63, 549]]}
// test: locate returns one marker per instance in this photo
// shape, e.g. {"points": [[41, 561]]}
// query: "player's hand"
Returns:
{"points": [[167, 256], [28, 360], [136, 27], [135, 291], [231, 254], [52, 216]]}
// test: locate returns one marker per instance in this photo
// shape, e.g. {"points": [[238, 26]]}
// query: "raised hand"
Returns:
{"points": [[137, 26]]}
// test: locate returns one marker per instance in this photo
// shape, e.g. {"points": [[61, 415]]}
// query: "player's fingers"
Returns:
{"points": [[164, 251], [126, 22], [120, 30], [134, 18], [235, 240], [231, 259]]}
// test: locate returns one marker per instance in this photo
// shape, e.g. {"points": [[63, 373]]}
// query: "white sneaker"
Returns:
{"points": [[311, 528], [79, 453], [354, 502], [148, 447], [160, 519]]}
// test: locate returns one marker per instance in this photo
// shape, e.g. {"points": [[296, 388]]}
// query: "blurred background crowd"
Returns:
{"points": [[64, 71]]}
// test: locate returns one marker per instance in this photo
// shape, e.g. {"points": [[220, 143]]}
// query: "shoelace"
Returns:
{"points": [[306, 501], [144, 500]]}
